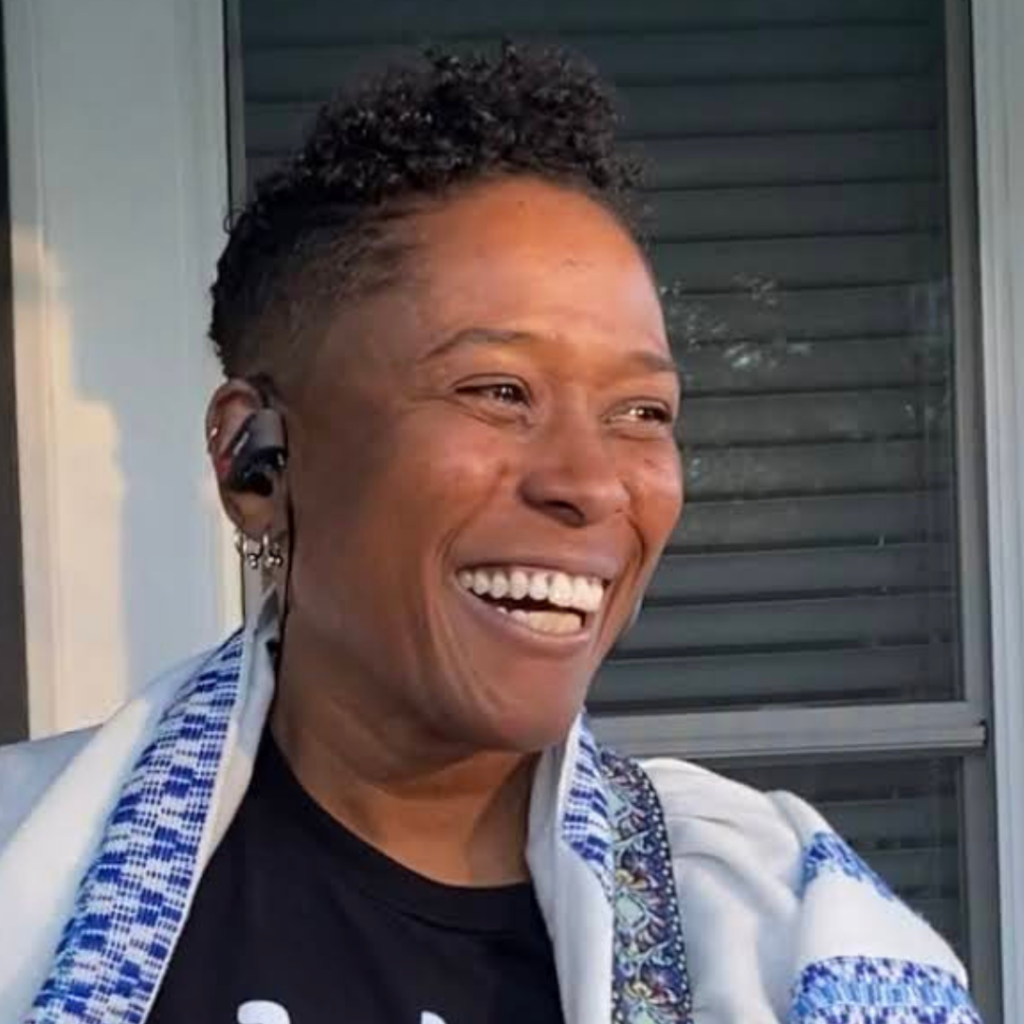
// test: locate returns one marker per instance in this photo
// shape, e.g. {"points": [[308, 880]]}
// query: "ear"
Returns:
{"points": [[254, 514]]}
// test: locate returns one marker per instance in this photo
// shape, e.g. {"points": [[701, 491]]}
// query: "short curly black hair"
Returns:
{"points": [[322, 228]]}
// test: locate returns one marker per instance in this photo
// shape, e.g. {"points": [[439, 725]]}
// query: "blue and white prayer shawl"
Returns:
{"points": [[672, 895]]}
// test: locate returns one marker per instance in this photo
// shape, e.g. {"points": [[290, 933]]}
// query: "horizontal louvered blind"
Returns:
{"points": [[797, 215]]}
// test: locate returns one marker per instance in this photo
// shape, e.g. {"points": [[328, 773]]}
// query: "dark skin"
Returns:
{"points": [[510, 404]]}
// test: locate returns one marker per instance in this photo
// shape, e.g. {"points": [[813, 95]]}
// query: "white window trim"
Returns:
{"points": [[116, 120], [999, 113], [797, 732]]}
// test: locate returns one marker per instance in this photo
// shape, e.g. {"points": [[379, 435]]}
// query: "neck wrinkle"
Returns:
{"points": [[456, 816]]}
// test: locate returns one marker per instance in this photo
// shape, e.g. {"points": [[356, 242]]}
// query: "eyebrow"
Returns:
{"points": [[471, 336], [647, 361]]}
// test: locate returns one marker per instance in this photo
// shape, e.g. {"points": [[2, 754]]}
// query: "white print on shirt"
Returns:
{"points": [[260, 1011]]}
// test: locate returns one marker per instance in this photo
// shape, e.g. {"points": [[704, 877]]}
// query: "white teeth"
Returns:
{"points": [[582, 593], [560, 590], [519, 584], [539, 586]]}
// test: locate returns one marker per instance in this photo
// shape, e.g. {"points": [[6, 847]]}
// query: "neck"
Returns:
{"points": [[455, 816]]}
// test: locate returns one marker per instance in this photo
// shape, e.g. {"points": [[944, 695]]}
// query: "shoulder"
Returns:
{"points": [[736, 859], [750, 840], [765, 846], [27, 770], [702, 807], [763, 877]]}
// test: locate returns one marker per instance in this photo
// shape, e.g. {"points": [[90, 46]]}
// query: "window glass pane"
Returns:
{"points": [[798, 203], [903, 817]]}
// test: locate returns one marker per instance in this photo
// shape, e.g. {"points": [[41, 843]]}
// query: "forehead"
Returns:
{"points": [[516, 255], [523, 247]]}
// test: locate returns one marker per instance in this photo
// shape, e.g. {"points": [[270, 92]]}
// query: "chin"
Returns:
{"points": [[528, 728]]}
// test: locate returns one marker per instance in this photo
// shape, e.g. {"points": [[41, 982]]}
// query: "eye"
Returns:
{"points": [[504, 392], [652, 413]]}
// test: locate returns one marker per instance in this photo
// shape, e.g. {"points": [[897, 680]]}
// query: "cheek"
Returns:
{"points": [[656, 485], [464, 473], [446, 458], [423, 476]]}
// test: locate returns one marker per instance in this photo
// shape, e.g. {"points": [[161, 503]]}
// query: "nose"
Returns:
{"points": [[572, 474]]}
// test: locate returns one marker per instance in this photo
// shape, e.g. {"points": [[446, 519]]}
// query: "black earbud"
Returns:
{"points": [[257, 452]]}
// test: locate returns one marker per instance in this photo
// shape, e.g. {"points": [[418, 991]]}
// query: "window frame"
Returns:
{"points": [[998, 39]]}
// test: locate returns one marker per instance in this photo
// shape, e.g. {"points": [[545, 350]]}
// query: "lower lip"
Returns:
{"points": [[510, 629]]}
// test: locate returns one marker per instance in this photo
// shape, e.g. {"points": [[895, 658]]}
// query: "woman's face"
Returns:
{"points": [[501, 422]]}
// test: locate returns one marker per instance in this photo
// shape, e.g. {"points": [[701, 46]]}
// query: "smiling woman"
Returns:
{"points": [[494, 392], [447, 436]]}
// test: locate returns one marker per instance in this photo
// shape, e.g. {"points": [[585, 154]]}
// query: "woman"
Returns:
{"points": [[447, 437]]}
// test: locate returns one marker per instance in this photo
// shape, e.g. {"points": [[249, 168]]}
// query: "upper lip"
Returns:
{"points": [[602, 567]]}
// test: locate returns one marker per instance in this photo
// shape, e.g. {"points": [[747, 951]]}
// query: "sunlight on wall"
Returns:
{"points": [[118, 186], [77, 501]]}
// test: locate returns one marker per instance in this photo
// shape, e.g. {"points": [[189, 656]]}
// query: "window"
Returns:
{"points": [[818, 622]]}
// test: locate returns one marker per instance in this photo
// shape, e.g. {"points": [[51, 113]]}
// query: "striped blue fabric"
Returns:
{"points": [[869, 990], [131, 901], [586, 820]]}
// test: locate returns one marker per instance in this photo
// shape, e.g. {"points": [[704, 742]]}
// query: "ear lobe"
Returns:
{"points": [[253, 514]]}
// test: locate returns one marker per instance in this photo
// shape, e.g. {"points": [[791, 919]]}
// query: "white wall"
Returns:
{"points": [[118, 194]]}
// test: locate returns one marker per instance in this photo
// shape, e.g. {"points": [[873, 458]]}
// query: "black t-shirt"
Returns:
{"points": [[298, 921]]}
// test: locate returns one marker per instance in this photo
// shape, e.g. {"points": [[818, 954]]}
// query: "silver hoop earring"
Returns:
{"points": [[250, 549], [265, 552], [272, 552]]}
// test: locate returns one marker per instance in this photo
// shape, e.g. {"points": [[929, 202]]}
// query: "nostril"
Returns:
{"points": [[575, 487], [568, 513]]}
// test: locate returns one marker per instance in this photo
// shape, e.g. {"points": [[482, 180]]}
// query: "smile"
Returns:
{"points": [[543, 600]]}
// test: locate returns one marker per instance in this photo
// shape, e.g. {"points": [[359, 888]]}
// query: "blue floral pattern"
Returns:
{"points": [[650, 981]]}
